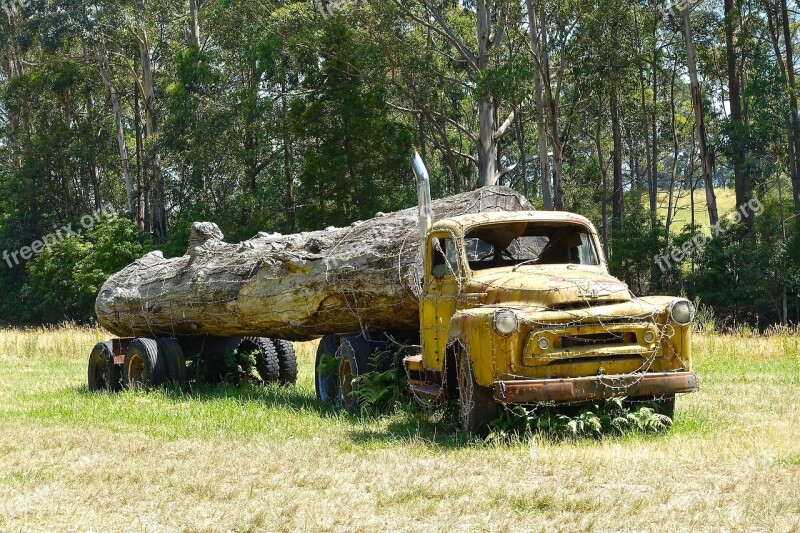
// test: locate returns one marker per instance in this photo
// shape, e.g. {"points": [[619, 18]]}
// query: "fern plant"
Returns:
{"points": [[611, 417]]}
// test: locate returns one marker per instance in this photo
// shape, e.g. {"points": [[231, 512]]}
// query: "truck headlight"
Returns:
{"points": [[682, 312], [505, 322]]}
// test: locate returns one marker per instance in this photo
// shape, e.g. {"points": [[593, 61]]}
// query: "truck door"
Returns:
{"points": [[440, 292]]}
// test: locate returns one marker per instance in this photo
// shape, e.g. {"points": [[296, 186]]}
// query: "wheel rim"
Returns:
{"points": [[345, 381], [135, 371]]}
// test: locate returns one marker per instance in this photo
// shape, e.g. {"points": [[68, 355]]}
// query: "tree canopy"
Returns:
{"points": [[656, 120]]}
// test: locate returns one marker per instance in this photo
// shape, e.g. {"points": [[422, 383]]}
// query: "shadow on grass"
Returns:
{"points": [[408, 423]]}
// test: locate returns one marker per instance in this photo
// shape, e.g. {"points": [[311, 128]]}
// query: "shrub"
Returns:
{"points": [[64, 279]]}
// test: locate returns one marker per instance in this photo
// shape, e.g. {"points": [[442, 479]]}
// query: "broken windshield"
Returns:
{"points": [[533, 243]]}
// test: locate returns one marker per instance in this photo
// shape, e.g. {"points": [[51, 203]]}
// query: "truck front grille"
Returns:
{"points": [[614, 341]]}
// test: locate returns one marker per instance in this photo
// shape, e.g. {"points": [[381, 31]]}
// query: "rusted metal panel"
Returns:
{"points": [[594, 387], [119, 347]]}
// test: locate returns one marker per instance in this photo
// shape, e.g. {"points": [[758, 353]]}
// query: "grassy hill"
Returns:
{"points": [[726, 203]]}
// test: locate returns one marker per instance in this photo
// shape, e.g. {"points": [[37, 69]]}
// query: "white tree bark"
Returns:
{"points": [[541, 127], [363, 277], [702, 136], [123, 149]]}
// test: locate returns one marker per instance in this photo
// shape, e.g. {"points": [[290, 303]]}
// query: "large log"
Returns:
{"points": [[365, 277]]}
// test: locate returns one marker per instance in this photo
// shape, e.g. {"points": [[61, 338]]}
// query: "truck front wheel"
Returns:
{"points": [[477, 408]]}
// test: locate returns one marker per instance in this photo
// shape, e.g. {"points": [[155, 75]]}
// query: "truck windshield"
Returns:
{"points": [[532, 243]]}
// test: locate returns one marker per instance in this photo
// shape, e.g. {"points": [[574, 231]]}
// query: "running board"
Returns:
{"points": [[431, 392]]}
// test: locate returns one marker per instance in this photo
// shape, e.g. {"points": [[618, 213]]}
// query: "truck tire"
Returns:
{"points": [[174, 363], [477, 408], [144, 365], [337, 366], [267, 362], [325, 371], [354, 354], [287, 361], [103, 374]]}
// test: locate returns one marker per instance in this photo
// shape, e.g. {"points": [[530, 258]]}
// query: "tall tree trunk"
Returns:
{"points": [[93, 174], [795, 118], [523, 156], [13, 69], [598, 141], [194, 26], [618, 198], [287, 167], [742, 183], [487, 145], [113, 98], [702, 136], [541, 127], [487, 113], [158, 208], [551, 103], [142, 211], [654, 134], [675, 153], [791, 122]]}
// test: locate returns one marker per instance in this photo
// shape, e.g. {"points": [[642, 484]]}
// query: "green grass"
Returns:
{"points": [[726, 204], [252, 458]]}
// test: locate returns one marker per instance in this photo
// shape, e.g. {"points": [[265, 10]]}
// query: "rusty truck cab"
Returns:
{"points": [[519, 308]]}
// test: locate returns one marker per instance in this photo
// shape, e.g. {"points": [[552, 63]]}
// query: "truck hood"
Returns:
{"points": [[549, 286]]}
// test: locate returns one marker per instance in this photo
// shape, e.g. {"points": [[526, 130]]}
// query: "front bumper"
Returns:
{"points": [[589, 388]]}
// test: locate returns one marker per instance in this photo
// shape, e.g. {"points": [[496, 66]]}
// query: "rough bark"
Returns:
{"points": [[123, 149], [617, 195], [741, 181], [702, 135], [795, 117], [541, 126], [158, 224], [194, 27], [363, 277]]}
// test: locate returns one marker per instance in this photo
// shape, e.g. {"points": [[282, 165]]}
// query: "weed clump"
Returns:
{"points": [[611, 417]]}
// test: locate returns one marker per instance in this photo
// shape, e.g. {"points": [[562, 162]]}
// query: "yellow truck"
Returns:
{"points": [[518, 308]]}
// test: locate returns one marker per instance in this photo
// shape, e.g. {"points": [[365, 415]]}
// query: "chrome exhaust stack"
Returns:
{"points": [[424, 197]]}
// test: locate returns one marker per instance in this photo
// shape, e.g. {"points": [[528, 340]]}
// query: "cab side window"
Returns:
{"points": [[444, 258]]}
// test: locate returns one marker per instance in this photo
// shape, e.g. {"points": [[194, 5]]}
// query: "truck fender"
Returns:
{"points": [[458, 336]]}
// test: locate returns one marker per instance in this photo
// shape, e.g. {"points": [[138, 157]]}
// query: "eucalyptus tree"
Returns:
{"points": [[492, 19]]}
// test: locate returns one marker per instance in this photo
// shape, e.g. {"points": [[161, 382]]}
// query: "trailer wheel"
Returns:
{"points": [[353, 358], [287, 361], [174, 362], [144, 365], [326, 370], [266, 357], [103, 374], [476, 405]]}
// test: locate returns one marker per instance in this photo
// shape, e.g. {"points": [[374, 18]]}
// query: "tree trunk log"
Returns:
{"points": [[365, 277]]}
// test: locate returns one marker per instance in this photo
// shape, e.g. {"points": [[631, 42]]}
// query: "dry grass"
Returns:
{"points": [[255, 459], [726, 204]]}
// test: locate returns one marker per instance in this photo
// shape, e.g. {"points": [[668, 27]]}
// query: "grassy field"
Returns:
{"points": [[273, 459], [726, 204]]}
